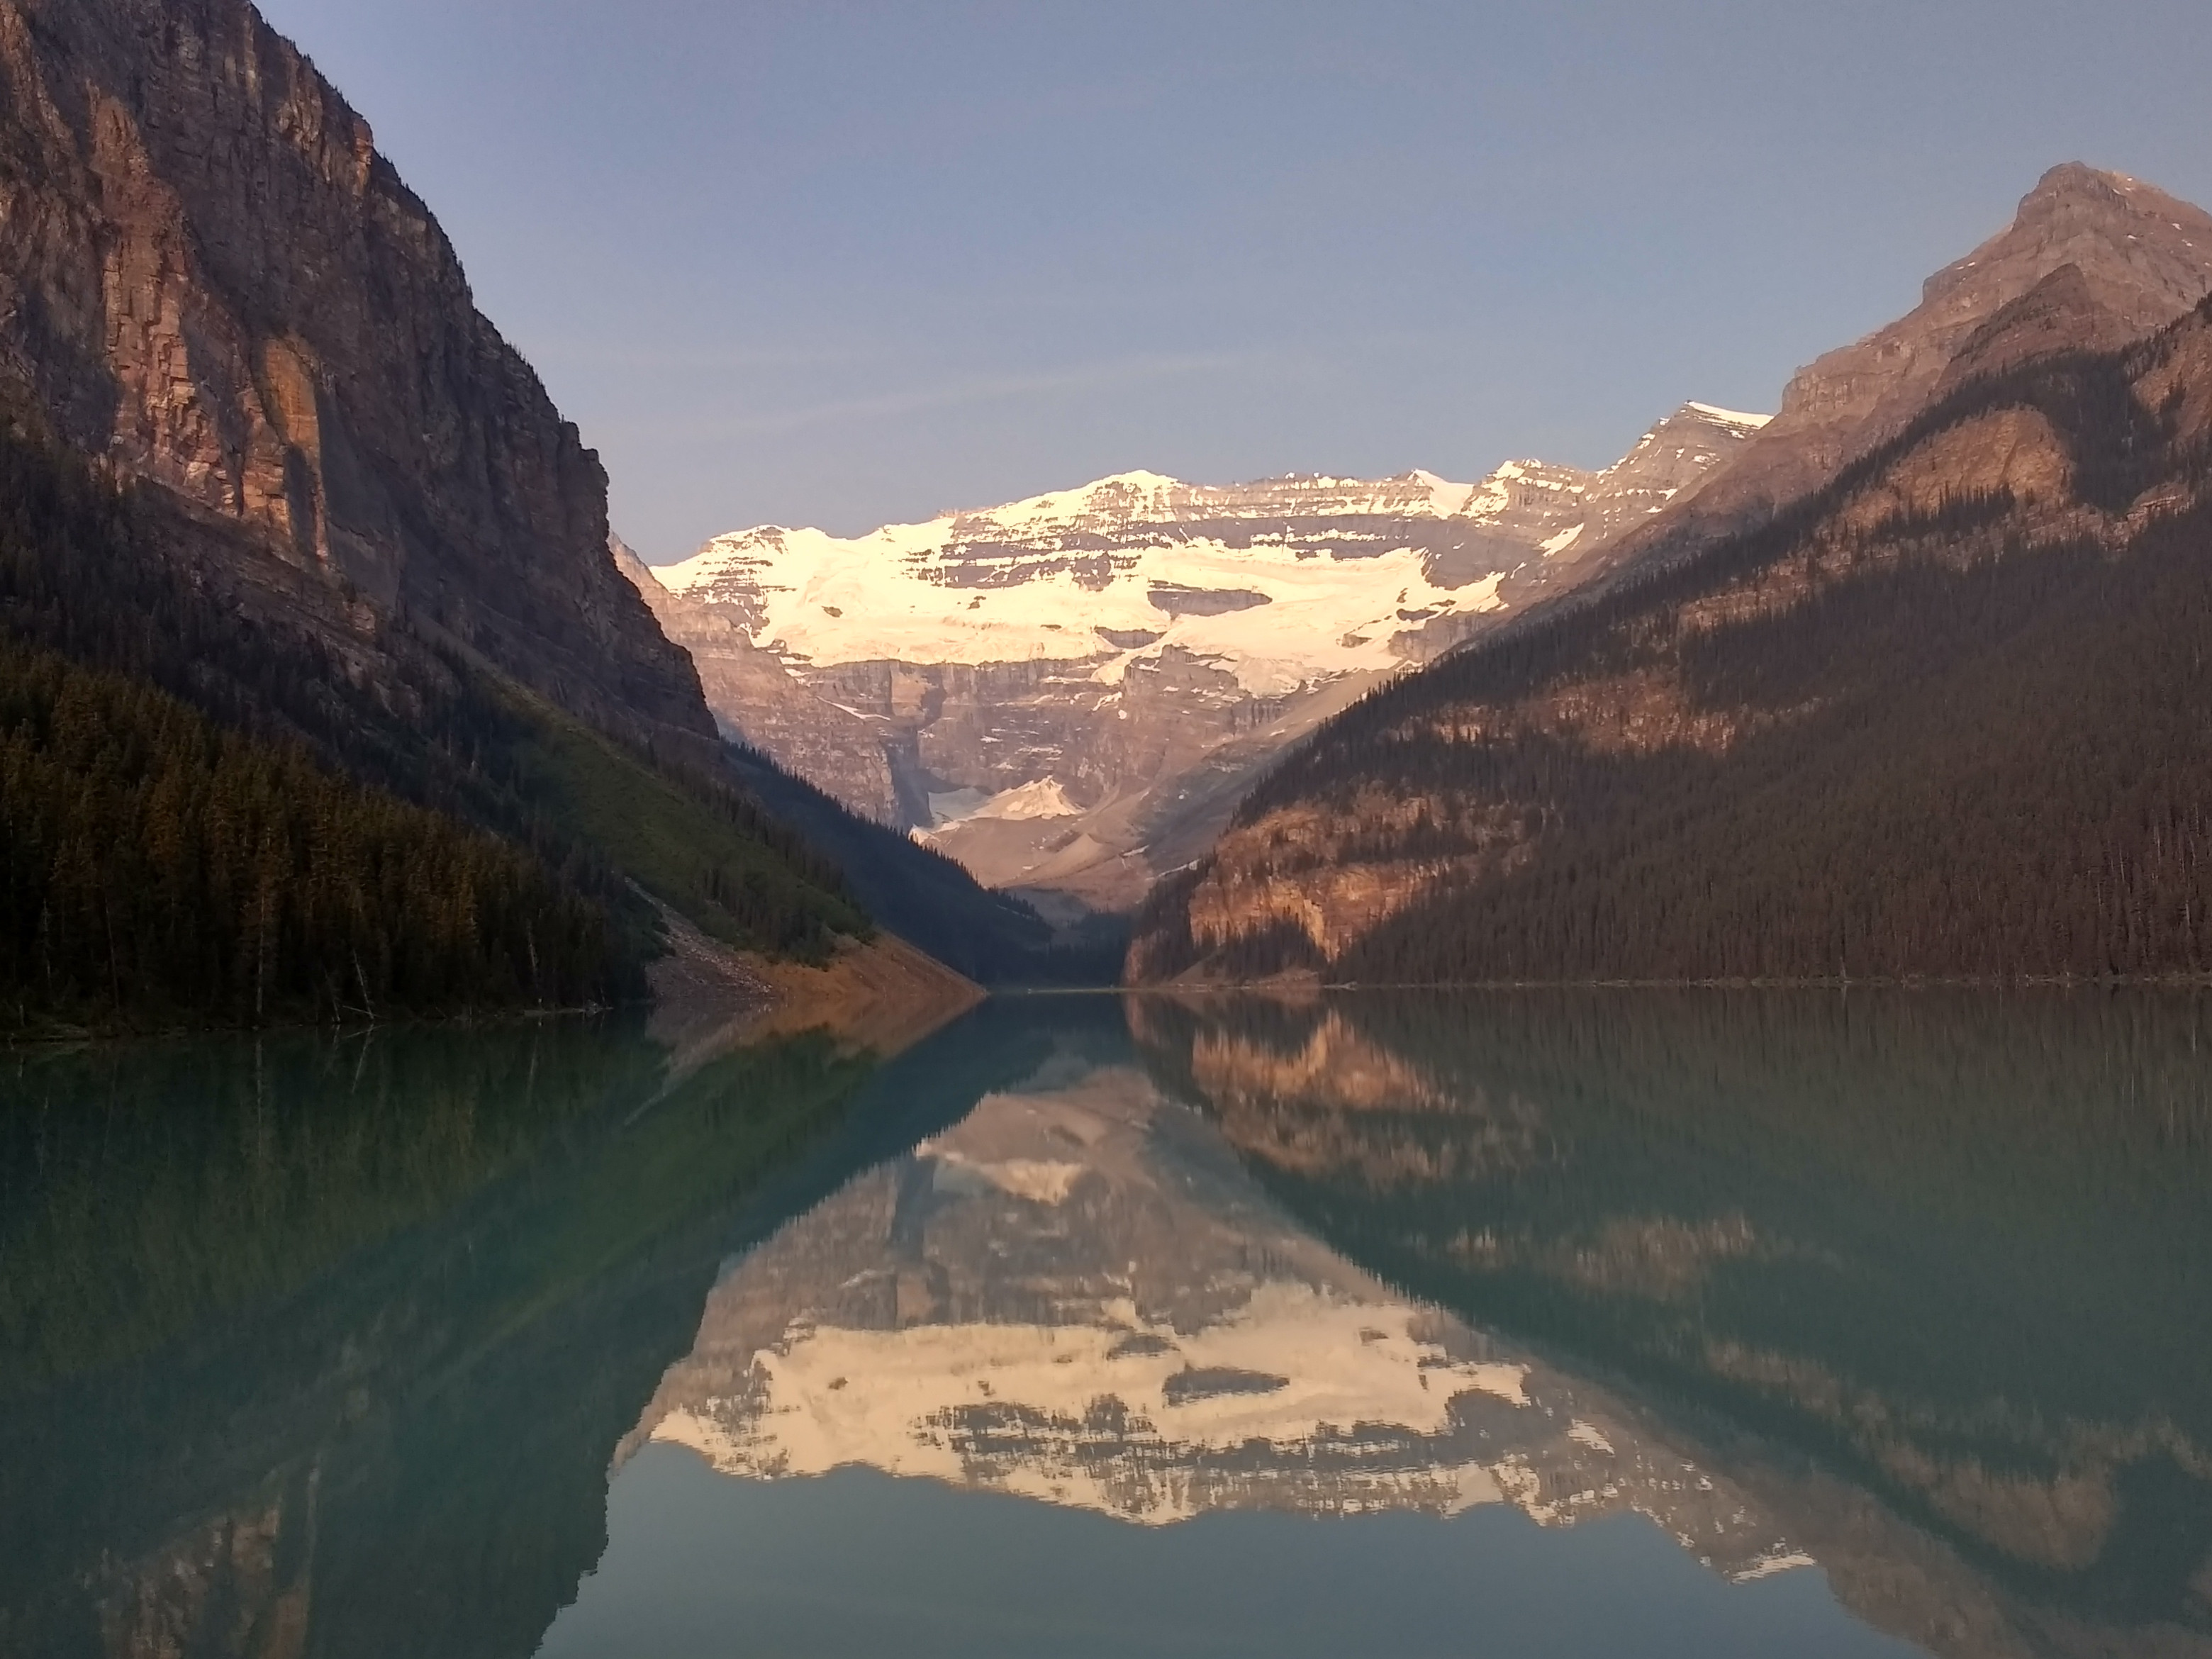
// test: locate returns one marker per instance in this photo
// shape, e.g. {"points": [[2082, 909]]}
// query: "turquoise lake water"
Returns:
{"points": [[1558, 1323]]}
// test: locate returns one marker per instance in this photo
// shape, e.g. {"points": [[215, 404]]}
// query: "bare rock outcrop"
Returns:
{"points": [[210, 281]]}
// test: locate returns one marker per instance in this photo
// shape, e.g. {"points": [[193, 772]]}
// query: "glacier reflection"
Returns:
{"points": [[1077, 1295]]}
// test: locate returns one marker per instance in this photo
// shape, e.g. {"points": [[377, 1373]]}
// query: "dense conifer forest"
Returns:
{"points": [[2020, 787], [159, 867], [208, 818], [1957, 746]]}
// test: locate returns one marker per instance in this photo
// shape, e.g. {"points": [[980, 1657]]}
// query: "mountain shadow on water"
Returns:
{"points": [[348, 1377], [1952, 1248]]}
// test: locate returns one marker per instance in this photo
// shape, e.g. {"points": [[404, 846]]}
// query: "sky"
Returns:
{"points": [[853, 264]]}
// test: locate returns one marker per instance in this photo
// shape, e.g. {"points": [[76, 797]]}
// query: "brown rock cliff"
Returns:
{"points": [[210, 280]]}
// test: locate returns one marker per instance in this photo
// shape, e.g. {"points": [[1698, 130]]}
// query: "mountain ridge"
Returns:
{"points": [[268, 460], [213, 281], [2143, 257]]}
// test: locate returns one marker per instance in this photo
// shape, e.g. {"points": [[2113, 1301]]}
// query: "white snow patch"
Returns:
{"points": [[1767, 1565], [1445, 497], [1731, 416], [894, 603], [1048, 579], [1041, 798], [1588, 1434]]}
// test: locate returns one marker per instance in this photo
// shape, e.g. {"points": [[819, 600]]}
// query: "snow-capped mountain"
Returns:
{"points": [[1129, 653]]}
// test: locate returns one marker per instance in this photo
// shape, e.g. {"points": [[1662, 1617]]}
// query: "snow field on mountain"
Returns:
{"points": [[1322, 579], [1736, 417], [827, 600]]}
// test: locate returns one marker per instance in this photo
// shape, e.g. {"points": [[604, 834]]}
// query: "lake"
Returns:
{"points": [[1620, 1322]]}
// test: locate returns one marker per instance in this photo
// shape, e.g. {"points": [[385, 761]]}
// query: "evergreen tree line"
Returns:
{"points": [[1952, 763], [157, 868], [2015, 785], [77, 575]]}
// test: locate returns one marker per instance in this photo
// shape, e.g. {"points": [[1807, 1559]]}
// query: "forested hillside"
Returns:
{"points": [[158, 867], [1944, 717], [206, 818]]}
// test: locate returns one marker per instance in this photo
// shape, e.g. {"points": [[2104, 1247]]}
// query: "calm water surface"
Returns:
{"points": [[1547, 1324]]}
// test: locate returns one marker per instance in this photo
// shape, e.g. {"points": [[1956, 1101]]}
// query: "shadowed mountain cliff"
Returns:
{"points": [[212, 280]]}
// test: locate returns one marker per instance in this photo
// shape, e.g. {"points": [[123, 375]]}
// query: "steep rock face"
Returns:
{"points": [[1071, 692], [210, 279], [2140, 259], [838, 752]]}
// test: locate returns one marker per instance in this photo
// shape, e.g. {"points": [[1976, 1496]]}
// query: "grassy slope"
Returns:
{"points": [[736, 881]]}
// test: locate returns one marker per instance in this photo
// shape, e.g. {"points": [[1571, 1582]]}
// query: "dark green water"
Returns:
{"points": [[1569, 1323]]}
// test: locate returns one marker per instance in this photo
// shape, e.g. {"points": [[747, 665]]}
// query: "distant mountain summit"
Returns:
{"points": [[1067, 689]]}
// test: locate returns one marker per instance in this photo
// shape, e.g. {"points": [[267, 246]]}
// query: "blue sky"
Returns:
{"points": [[844, 264]]}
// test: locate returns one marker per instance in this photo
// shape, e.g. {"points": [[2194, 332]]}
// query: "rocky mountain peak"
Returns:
{"points": [[2144, 254], [1070, 692], [2139, 258]]}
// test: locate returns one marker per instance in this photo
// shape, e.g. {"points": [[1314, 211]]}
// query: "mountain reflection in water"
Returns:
{"points": [[1564, 1322]]}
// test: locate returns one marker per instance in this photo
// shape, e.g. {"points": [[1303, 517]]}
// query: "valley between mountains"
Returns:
{"points": [[326, 692], [1896, 682]]}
